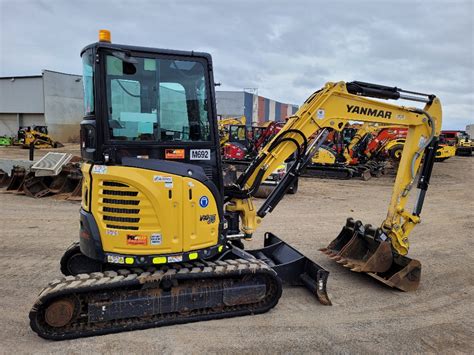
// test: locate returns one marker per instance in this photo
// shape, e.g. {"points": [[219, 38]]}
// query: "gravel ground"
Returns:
{"points": [[366, 317]]}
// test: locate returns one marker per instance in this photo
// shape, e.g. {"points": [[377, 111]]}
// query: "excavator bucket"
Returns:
{"points": [[4, 179], [364, 249], [17, 178]]}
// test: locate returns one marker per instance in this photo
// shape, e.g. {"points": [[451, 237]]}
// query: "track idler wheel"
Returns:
{"points": [[60, 313]]}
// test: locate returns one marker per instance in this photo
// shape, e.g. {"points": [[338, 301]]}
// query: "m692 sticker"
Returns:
{"points": [[200, 154]]}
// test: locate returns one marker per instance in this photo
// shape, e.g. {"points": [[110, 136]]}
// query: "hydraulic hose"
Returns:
{"points": [[421, 149]]}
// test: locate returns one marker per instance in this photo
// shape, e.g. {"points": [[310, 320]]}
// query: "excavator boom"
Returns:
{"points": [[331, 108]]}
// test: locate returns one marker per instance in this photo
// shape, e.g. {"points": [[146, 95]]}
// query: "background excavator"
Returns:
{"points": [[242, 146], [224, 125], [160, 238], [354, 152]]}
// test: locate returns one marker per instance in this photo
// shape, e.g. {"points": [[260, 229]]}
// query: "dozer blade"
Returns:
{"points": [[364, 249], [292, 267]]}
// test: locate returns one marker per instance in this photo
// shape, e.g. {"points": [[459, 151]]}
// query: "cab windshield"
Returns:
{"points": [[156, 99]]}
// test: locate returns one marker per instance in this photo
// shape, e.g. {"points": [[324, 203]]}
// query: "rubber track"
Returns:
{"points": [[82, 286], [331, 172]]}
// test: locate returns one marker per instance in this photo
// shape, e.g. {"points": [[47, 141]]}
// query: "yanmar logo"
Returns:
{"points": [[368, 111]]}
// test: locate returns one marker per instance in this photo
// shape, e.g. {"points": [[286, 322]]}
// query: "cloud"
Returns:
{"points": [[285, 49]]}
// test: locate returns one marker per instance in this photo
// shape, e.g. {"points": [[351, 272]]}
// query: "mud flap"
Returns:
{"points": [[366, 249], [292, 267]]}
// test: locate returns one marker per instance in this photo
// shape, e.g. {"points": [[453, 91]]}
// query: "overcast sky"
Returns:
{"points": [[286, 49]]}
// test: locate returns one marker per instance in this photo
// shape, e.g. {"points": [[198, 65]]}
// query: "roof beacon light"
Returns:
{"points": [[104, 36]]}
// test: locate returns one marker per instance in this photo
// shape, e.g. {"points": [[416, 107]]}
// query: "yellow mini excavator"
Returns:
{"points": [[160, 238], [224, 124]]}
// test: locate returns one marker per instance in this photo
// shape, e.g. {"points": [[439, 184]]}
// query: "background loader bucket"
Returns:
{"points": [[292, 267], [361, 249]]}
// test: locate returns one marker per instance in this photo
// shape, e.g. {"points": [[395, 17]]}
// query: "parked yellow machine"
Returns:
{"points": [[160, 236], [223, 125], [394, 150], [38, 136]]}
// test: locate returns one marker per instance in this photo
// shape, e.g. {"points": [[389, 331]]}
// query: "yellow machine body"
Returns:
{"points": [[223, 125], [145, 212], [324, 156], [445, 151]]}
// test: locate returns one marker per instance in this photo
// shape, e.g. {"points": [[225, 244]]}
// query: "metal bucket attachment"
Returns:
{"points": [[76, 194], [17, 179], [366, 249], [35, 186], [292, 267], [4, 179], [404, 274], [359, 248]]}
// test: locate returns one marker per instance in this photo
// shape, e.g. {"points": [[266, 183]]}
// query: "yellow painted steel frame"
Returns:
{"points": [[332, 107]]}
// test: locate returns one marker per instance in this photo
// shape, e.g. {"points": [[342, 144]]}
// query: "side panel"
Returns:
{"points": [[144, 212], [200, 217]]}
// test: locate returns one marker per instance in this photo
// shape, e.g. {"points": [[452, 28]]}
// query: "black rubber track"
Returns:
{"points": [[85, 287]]}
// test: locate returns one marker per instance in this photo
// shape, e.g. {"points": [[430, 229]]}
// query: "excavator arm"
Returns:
{"points": [[332, 108]]}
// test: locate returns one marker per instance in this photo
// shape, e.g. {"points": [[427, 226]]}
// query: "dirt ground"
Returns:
{"points": [[366, 317]]}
